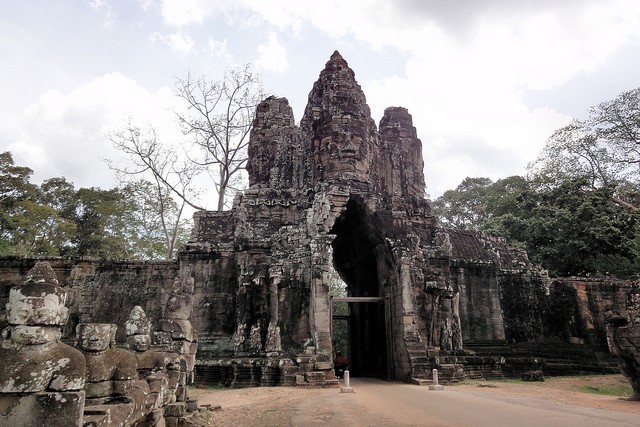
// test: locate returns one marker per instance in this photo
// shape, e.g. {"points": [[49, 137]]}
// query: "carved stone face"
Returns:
{"points": [[95, 337], [346, 154], [139, 343], [34, 335], [35, 310]]}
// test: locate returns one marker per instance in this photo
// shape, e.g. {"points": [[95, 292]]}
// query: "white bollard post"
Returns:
{"points": [[435, 385], [347, 386]]}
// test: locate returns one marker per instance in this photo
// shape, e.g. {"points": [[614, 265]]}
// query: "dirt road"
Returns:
{"points": [[379, 403]]}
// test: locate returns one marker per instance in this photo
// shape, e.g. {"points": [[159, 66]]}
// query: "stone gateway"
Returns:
{"points": [[248, 301], [338, 193]]}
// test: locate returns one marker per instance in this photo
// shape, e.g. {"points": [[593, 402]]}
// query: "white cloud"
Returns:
{"points": [[468, 75], [179, 13], [104, 7], [64, 134], [273, 55], [145, 4], [465, 76], [180, 43], [218, 49]]}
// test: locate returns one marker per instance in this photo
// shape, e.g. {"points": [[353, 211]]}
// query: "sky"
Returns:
{"points": [[487, 82]]}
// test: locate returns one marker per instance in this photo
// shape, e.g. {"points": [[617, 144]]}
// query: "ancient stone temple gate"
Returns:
{"points": [[337, 192]]}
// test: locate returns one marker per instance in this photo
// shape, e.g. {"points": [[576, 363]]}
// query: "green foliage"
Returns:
{"points": [[464, 207], [567, 226], [577, 212], [340, 327], [102, 220], [159, 226], [56, 219], [622, 390]]}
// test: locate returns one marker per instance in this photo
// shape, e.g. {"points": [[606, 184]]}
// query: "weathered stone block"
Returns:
{"points": [[178, 409]]}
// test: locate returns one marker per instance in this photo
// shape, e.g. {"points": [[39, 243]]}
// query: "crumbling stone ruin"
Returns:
{"points": [[46, 382], [338, 194]]}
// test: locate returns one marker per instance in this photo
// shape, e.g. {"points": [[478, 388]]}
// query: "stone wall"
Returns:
{"points": [[99, 290], [578, 306]]}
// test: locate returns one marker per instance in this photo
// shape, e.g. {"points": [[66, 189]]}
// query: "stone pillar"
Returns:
{"points": [[435, 385]]}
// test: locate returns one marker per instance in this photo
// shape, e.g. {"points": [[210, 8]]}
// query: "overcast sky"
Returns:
{"points": [[486, 82]]}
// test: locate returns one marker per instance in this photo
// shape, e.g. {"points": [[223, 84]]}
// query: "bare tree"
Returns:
{"points": [[162, 168], [219, 118]]}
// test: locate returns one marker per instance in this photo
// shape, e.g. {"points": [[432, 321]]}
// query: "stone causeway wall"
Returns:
{"points": [[99, 291]]}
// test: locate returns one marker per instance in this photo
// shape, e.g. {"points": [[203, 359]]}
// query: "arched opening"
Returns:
{"points": [[358, 249]]}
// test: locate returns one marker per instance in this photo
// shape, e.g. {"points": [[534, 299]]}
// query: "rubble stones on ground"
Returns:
{"points": [[533, 376]]}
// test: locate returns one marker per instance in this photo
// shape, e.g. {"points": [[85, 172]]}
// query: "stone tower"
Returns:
{"points": [[337, 193]]}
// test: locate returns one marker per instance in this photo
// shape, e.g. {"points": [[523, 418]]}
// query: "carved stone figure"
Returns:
{"points": [[161, 370], [623, 338], [114, 397], [41, 378], [176, 334]]}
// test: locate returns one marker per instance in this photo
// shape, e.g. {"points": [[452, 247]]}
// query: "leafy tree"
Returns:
{"points": [[464, 207], [220, 115], [159, 227], [56, 219], [14, 188], [574, 229], [569, 227], [103, 224], [604, 149], [40, 230]]}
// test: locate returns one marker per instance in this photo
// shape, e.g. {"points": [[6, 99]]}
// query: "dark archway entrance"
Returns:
{"points": [[358, 257]]}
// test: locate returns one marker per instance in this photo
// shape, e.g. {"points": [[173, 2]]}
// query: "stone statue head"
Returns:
{"points": [[95, 337], [39, 301], [34, 335], [180, 302], [348, 153], [138, 330]]}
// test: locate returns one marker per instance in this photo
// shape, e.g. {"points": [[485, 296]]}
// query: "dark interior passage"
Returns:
{"points": [[355, 261]]}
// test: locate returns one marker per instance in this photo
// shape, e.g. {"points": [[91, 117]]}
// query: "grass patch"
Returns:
{"points": [[606, 390], [606, 385]]}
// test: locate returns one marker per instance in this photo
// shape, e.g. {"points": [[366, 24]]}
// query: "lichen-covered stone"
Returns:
{"points": [[41, 378]]}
